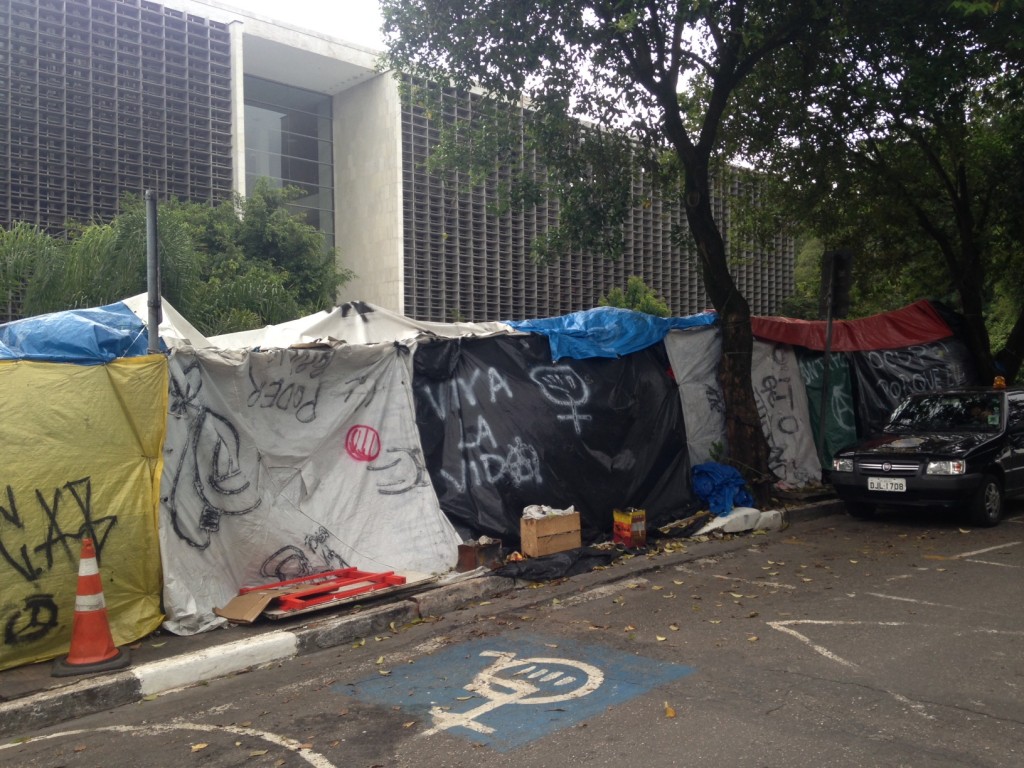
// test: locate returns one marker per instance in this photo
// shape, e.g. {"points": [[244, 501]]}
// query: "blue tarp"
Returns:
{"points": [[606, 331], [86, 336], [721, 486]]}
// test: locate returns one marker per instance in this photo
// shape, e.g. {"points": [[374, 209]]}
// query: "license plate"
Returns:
{"points": [[891, 484]]}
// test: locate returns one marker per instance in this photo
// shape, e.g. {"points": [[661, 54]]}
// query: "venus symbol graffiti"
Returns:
{"points": [[506, 692]]}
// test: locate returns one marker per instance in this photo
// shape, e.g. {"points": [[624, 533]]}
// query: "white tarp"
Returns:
{"points": [[782, 403], [356, 322], [778, 388], [175, 330], [694, 355], [284, 463]]}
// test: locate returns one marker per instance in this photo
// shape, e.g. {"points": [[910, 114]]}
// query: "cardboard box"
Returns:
{"points": [[547, 535], [629, 527], [473, 555]]}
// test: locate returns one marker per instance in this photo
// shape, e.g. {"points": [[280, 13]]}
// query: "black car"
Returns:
{"points": [[951, 448]]}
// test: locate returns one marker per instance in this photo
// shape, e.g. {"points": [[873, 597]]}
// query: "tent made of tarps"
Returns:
{"points": [[80, 452], [503, 427], [778, 390], [288, 462], [883, 357]]}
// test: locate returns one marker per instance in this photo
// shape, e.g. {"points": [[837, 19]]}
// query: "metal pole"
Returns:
{"points": [[152, 274], [824, 409]]}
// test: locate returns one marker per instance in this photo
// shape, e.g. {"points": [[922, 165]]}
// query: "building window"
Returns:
{"points": [[288, 140]]}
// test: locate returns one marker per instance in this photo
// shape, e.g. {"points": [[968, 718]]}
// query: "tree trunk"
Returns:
{"points": [[747, 446]]}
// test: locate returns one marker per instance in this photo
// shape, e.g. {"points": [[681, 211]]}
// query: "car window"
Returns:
{"points": [[959, 412]]}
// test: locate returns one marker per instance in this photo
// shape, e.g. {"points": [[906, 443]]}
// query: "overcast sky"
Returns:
{"points": [[355, 21]]}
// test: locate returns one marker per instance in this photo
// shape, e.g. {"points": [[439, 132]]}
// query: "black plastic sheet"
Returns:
{"points": [[502, 427], [559, 565], [884, 377]]}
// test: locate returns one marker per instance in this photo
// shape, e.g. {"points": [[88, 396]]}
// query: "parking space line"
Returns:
{"points": [[786, 627], [964, 555], [989, 562], [899, 599], [302, 751], [769, 584]]}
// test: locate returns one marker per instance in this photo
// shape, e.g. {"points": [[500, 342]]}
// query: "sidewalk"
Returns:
{"points": [[31, 698]]}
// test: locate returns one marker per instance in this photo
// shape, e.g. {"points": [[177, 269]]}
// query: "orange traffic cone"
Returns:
{"points": [[92, 646]]}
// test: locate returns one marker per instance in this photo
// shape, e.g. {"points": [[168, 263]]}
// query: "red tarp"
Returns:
{"points": [[916, 323]]}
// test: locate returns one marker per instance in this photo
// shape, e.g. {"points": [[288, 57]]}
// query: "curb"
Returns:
{"points": [[101, 693]]}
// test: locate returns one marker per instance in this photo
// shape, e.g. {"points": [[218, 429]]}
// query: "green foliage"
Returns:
{"points": [[25, 253], [637, 297], [905, 147], [237, 265]]}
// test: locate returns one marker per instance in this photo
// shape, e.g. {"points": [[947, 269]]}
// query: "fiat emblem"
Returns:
{"points": [[886, 466]]}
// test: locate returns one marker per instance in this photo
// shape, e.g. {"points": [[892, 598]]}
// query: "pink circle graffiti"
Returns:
{"points": [[362, 443]]}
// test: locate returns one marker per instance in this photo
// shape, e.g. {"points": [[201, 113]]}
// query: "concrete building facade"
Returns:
{"points": [[101, 98]]}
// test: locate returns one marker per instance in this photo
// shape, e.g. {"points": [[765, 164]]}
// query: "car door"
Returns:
{"points": [[1014, 468]]}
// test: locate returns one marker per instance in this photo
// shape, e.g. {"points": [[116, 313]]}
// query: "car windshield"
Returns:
{"points": [[964, 412]]}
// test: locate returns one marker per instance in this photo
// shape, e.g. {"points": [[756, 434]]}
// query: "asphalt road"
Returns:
{"points": [[838, 642]]}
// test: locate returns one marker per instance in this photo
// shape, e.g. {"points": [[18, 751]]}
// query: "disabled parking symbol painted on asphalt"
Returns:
{"points": [[506, 692]]}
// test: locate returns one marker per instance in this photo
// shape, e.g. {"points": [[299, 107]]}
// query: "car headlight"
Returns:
{"points": [[842, 465], [946, 467]]}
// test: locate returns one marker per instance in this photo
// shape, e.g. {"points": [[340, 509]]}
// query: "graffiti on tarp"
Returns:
{"points": [[32, 623], [916, 369], [483, 459], [842, 415], [562, 386], [31, 548], [292, 385], [208, 481], [292, 562], [34, 536], [782, 407], [406, 472]]}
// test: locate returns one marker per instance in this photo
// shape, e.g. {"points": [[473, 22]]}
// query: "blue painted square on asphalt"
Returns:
{"points": [[508, 691]]}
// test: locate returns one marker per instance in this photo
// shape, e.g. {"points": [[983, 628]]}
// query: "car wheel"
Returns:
{"points": [[987, 506], [860, 509]]}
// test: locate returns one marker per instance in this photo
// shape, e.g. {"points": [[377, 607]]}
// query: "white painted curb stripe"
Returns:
{"points": [[208, 664]]}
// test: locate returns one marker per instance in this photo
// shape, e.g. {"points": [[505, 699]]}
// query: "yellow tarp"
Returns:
{"points": [[80, 456]]}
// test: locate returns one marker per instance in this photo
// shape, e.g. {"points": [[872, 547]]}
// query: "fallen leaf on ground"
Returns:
{"points": [[199, 746], [669, 710], [258, 752]]}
